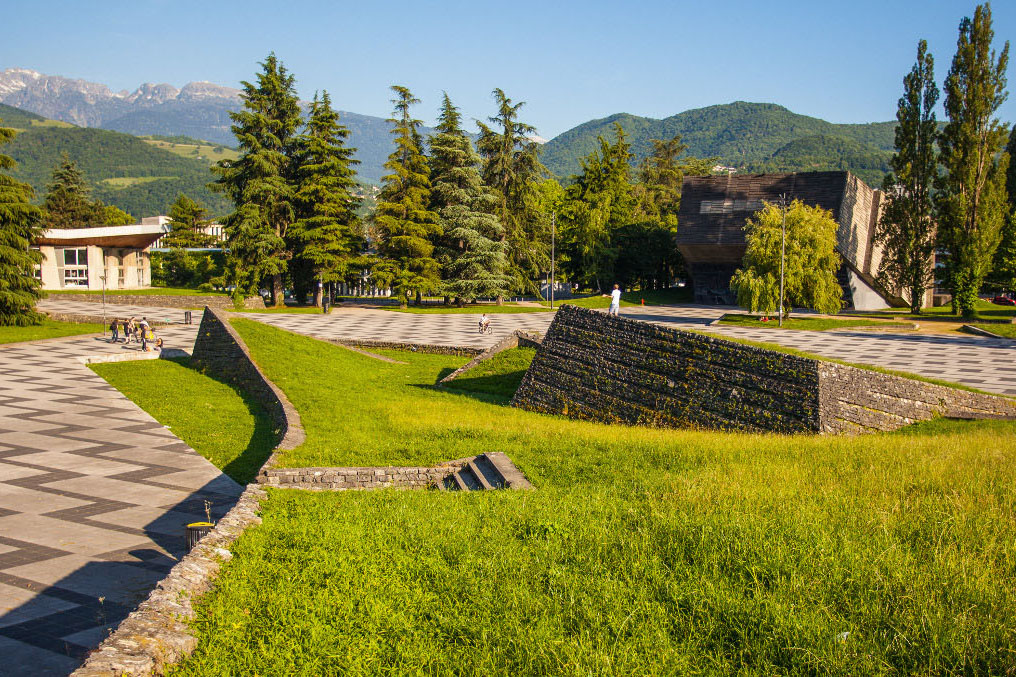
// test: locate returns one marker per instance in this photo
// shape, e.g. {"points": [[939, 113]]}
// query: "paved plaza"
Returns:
{"points": [[94, 495]]}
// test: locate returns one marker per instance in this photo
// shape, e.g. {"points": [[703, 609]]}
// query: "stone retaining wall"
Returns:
{"points": [[340, 479], [164, 300], [603, 368], [220, 351]]}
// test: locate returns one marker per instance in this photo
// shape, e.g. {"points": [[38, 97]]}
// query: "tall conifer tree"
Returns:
{"points": [[187, 220], [67, 203], [19, 226], [326, 235], [474, 249], [511, 166], [906, 228], [972, 200], [404, 221], [260, 180]]}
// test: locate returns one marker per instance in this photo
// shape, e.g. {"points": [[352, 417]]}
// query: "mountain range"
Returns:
{"points": [[746, 136]]}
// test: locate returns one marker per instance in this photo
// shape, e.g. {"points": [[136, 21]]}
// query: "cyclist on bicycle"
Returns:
{"points": [[484, 323]]}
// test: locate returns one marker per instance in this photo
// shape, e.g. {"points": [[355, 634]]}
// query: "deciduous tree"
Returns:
{"points": [[19, 226], [972, 202], [907, 229], [810, 265]]}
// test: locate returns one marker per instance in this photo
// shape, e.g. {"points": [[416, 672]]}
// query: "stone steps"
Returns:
{"points": [[493, 470]]}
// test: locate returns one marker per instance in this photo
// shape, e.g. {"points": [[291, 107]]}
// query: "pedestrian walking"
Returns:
{"points": [[114, 330], [615, 301], [146, 333], [128, 331]]}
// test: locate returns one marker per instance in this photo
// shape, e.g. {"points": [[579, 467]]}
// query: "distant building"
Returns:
{"points": [[78, 258], [710, 233]]}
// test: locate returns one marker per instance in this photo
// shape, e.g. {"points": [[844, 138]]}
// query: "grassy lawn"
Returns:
{"points": [[233, 432], [659, 297], [1006, 330], [148, 291], [48, 329], [305, 310], [499, 376], [127, 181], [809, 323], [985, 310], [640, 552], [210, 152]]}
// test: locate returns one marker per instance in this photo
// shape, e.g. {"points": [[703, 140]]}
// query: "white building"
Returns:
{"points": [[79, 258]]}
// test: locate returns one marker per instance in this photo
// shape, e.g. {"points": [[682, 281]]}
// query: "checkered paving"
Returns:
{"points": [[94, 495]]}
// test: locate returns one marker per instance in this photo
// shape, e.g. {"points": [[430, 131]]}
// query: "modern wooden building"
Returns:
{"points": [[714, 209]]}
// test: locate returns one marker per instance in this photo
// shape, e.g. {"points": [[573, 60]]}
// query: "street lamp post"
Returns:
{"points": [[553, 234], [783, 250]]}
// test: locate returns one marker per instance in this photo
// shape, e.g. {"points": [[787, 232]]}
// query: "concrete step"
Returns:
{"points": [[493, 470]]}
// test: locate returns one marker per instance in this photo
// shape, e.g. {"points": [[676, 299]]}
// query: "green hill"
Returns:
{"points": [[122, 170], [824, 153], [744, 135]]}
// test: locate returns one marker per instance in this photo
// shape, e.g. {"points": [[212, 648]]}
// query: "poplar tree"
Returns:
{"points": [[474, 250], [511, 166], [972, 200], [1003, 267], [187, 219], [907, 228], [405, 224], [259, 181], [325, 237], [68, 203], [19, 226]]}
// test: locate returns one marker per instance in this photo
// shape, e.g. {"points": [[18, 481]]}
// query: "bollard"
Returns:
{"points": [[195, 530], [187, 317]]}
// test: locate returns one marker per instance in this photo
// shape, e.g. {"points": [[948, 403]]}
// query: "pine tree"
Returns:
{"points": [[596, 205], [406, 226], [972, 200], [473, 235], [907, 229], [326, 235], [19, 226], [260, 180], [511, 166], [187, 218], [67, 203], [661, 176]]}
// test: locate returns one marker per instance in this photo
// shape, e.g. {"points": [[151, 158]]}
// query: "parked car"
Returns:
{"points": [[1003, 301]]}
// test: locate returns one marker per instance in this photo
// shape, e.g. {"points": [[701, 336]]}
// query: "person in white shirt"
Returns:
{"points": [[484, 323], [615, 301]]}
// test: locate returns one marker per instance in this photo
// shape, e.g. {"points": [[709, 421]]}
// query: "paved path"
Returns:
{"points": [[60, 304], [94, 495]]}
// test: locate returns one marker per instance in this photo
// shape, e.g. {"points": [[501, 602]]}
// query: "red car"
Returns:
{"points": [[1003, 301]]}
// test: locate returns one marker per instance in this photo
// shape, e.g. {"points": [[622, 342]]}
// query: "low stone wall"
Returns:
{"points": [[400, 345], [853, 400], [341, 479], [517, 338], [100, 319], [156, 633], [165, 300], [616, 370], [220, 351]]}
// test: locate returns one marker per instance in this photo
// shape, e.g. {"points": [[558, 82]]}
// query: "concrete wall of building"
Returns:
{"points": [[124, 268], [48, 270]]}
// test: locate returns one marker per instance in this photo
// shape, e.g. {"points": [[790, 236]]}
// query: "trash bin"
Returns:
{"points": [[195, 531], [187, 317]]}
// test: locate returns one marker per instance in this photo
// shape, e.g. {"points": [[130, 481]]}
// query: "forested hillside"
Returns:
{"points": [[123, 170], [748, 136]]}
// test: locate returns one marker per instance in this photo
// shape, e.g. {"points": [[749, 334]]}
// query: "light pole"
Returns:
{"points": [[783, 249], [103, 278], [553, 234]]}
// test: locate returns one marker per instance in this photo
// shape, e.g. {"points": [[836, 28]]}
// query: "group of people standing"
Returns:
{"points": [[136, 331]]}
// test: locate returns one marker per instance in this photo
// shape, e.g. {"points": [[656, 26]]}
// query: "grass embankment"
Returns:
{"points": [[46, 330], [147, 291], [641, 551], [810, 323], [489, 308], [1005, 330], [232, 431], [499, 376]]}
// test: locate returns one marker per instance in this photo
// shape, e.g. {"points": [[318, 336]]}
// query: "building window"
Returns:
{"points": [[75, 267]]}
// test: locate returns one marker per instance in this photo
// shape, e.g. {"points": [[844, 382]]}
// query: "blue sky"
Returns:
{"points": [[570, 61]]}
